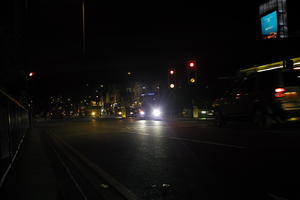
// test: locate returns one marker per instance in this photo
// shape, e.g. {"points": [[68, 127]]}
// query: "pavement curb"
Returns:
{"points": [[3, 178]]}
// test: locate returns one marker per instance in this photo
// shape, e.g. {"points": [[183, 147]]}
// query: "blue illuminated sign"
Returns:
{"points": [[269, 25], [148, 94]]}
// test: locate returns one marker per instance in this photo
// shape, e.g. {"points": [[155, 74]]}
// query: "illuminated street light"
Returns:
{"points": [[192, 80]]}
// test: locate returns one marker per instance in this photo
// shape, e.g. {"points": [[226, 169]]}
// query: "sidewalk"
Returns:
{"points": [[31, 176]]}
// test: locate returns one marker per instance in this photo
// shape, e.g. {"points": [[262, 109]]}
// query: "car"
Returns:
{"points": [[267, 95], [154, 113]]}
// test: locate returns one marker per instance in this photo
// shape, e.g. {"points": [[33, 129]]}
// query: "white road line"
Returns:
{"points": [[194, 141], [100, 172], [69, 173], [275, 197], [208, 142], [11, 163]]}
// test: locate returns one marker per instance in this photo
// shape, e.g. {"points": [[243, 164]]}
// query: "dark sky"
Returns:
{"points": [[145, 37]]}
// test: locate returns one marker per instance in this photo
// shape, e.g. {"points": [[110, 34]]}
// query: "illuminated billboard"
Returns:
{"points": [[269, 25], [273, 18]]}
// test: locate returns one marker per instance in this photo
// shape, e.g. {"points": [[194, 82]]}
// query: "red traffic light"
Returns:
{"points": [[191, 63], [31, 74], [172, 71]]}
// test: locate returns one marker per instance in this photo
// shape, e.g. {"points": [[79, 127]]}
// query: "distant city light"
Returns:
{"points": [[31, 74], [101, 86], [129, 73]]}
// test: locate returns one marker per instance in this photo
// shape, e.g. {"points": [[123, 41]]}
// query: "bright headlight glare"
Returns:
{"points": [[156, 112], [142, 112]]}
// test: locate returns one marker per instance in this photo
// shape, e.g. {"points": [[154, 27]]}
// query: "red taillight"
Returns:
{"points": [[279, 92]]}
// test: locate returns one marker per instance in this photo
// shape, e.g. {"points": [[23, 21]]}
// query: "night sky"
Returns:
{"points": [[146, 38]]}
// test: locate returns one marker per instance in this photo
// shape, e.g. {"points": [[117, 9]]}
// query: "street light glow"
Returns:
{"points": [[192, 80]]}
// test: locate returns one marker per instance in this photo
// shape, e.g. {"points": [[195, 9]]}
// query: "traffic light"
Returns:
{"points": [[31, 74], [171, 72], [191, 64], [172, 78], [172, 85], [191, 67]]}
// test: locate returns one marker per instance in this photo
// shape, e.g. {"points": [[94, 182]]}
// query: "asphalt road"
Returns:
{"points": [[188, 160]]}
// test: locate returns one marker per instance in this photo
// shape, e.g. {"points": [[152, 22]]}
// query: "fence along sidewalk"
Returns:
{"points": [[14, 122]]}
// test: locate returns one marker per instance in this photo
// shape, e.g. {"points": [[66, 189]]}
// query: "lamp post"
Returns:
{"points": [[83, 28]]}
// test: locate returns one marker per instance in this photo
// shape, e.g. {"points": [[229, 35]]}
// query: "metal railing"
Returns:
{"points": [[14, 122]]}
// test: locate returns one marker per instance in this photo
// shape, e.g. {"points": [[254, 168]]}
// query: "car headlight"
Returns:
{"points": [[142, 112], [156, 112]]}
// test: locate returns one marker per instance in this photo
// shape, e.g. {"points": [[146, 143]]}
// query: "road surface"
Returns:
{"points": [[186, 159]]}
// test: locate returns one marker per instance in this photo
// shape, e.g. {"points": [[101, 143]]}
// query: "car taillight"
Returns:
{"points": [[279, 92]]}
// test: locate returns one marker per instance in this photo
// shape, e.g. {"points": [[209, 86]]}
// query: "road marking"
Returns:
{"points": [[275, 197], [69, 173], [281, 131], [194, 141], [208, 142], [11, 163], [123, 190]]}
